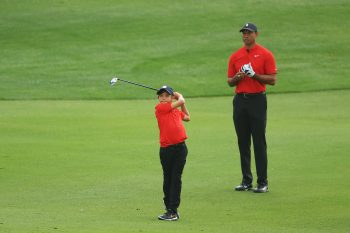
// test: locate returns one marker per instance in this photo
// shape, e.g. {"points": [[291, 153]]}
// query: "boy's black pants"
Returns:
{"points": [[173, 160], [249, 116]]}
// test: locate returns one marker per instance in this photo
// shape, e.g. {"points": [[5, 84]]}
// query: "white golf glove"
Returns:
{"points": [[248, 70]]}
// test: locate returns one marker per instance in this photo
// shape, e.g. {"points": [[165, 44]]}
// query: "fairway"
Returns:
{"points": [[80, 156], [93, 166]]}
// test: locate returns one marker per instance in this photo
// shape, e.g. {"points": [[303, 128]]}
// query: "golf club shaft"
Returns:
{"points": [[137, 84]]}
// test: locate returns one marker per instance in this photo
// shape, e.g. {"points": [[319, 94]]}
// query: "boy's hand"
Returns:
{"points": [[177, 95], [179, 100]]}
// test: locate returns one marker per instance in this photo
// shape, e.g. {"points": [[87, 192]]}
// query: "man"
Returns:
{"points": [[250, 68]]}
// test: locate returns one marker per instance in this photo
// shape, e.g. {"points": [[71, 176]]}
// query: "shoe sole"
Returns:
{"points": [[164, 219], [257, 191], [242, 190]]}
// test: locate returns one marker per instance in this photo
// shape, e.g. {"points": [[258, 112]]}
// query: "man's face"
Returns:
{"points": [[248, 37]]}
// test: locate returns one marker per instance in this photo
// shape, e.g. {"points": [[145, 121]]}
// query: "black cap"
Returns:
{"points": [[165, 88], [250, 27]]}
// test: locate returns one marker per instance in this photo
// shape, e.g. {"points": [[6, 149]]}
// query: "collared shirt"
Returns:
{"points": [[171, 128], [262, 61]]}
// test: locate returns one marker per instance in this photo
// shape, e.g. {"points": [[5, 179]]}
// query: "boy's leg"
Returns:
{"points": [[165, 159], [178, 163]]}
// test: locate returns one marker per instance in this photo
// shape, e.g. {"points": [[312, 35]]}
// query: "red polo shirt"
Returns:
{"points": [[171, 128], [262, 61]]}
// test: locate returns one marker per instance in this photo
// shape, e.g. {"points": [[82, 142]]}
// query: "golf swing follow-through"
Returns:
{"points": [[170, 112], [116, 79]]}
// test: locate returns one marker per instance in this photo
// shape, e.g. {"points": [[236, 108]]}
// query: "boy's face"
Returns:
{"points": [[165, 97]]}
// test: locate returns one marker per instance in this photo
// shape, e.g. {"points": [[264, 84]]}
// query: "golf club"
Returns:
{"points": [[115, 80]]}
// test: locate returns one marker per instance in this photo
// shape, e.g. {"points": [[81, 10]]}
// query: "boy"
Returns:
{"points": [[173, 150]]}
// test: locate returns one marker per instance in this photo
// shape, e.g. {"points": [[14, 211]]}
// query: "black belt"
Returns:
{"points": [[251, 94], [178, 144]]}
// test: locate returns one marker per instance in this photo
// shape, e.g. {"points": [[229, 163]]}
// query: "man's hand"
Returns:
{"points": [[239, 76], [248, 70]]}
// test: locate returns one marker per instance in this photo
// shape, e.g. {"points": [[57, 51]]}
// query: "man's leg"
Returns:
{"points": [[259, 113], [242, 126]]}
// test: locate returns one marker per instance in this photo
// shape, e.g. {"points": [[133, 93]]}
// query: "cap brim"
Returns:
{"points": [[248, 29], [160, 91]]}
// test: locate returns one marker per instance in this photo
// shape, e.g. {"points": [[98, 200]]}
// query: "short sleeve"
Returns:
{"points": [[231, 70], [270, 64]]}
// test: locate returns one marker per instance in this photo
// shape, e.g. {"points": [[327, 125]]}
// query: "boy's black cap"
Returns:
{"points": [[165, 88], [250, 27]]}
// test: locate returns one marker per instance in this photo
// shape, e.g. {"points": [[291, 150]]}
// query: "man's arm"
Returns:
{"points": [[262, 78], [269, 79], [233, 81]]}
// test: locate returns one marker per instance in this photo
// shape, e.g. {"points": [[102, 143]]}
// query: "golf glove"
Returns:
{"points": [[248, 70]]}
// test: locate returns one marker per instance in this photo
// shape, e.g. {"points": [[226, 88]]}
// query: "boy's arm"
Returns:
{"points": [[185, 111], [179, 100]]}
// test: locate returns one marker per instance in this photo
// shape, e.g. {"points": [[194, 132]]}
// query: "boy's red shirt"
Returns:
{"points": [[171, 128]]}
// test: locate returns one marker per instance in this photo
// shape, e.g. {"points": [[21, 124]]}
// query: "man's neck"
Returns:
{"points": [[249, 47]]}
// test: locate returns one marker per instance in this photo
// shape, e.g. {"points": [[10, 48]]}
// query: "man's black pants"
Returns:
{"points": [[249, 116], [173, 160]]}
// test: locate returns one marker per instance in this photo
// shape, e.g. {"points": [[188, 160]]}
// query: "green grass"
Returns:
{"points": [[70, 49], [93, 166], [72, 165]]}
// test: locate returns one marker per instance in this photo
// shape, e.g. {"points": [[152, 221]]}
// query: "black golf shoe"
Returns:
{"points": [[243, 187], [261, 189], [169, 216]]}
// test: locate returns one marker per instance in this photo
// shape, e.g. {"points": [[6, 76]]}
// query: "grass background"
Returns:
{"points": [[92, 166], [70, 49], [79, 156]]}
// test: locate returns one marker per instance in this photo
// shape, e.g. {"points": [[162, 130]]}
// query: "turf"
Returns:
{"points": [[93, 166], [70, 49], [77, 155]]}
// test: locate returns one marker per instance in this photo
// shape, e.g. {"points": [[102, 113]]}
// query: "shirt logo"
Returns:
{"points": [[256, 55]]}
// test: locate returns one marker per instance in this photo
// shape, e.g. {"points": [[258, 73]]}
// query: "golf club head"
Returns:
{"points": [[113, 81]]}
